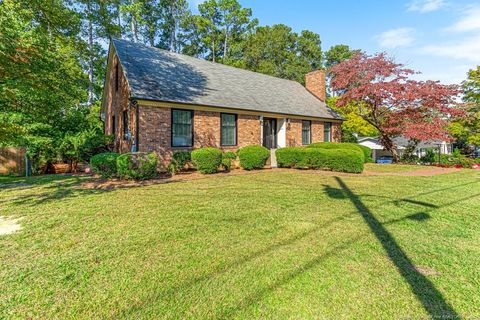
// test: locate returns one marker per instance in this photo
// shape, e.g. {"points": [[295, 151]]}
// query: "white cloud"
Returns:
{"points": [[467, 48], [470, 20], [424, 6], [395, 38]]}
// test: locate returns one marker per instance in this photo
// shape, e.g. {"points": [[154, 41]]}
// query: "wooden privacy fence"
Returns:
{"points": [[12, 161]]}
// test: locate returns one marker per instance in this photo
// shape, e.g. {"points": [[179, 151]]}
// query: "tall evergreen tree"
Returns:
{"points": [[278, 51], [173, 17], [220, 26], [98, 23]]}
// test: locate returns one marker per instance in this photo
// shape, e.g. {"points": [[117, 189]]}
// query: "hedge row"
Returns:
{"points": [[367, 152], [342, 160], [209, 160], [138, 165]]}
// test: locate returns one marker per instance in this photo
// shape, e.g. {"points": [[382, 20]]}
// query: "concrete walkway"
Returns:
{"points": [[273, 158]]}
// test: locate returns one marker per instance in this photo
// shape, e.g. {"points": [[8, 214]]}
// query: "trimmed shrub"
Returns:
{"points": [[227, 158], [137, 165], [207, 160], [367, 152], [253, 157], [230, 155], [342, 160], [105, 164], [182, 157], [179, 161], [226, 164]]}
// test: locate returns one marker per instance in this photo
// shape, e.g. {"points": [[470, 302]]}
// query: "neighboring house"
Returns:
{"points": [[378, 150], [156, 100]]}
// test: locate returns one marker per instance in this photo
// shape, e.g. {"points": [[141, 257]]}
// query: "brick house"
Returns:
{"points": [[156, 100]]}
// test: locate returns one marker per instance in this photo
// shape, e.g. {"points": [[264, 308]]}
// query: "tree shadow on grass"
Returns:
{"points": [[336, 193], [427, 294], [259, 294], [51, 188], [239, 263]]}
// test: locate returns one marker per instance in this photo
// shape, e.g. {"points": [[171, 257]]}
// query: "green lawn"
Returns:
{"points": [[270, 244], [396, 168]]}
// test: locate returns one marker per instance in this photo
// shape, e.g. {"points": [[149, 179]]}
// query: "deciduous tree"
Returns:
{"points": [[393, 103], [467, 128]]}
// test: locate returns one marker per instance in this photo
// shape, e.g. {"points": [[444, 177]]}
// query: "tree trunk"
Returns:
{"points": [[410, 148], [134, 29], [90, 54], [119, 20], [173, 38], [151, 38], [390, 146], [225, 44], [213, 50]]}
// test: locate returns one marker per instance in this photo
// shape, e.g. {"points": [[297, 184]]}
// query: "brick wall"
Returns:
{"points": [[249, 130], [116, 102], [294, 133], [315, 83], [336, 132], [206, 128], [155, 131], [317, 131]]}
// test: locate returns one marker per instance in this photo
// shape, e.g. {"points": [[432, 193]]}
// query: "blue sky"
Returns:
{"points": [[440, 38]]}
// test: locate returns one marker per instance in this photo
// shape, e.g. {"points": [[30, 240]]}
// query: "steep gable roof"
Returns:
{"points": [[160, 75]]}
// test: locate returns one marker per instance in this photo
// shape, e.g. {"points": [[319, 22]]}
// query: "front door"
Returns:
{"points": [[269, 133]]}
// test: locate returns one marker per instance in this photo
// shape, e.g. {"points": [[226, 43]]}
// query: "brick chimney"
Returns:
{"points": [[315, 83]]}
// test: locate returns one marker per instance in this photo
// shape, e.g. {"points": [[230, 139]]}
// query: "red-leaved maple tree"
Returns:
{"points": [[391, 102]]}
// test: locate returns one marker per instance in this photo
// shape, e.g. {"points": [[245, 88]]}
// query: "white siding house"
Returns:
{"points": [[378, 150]]}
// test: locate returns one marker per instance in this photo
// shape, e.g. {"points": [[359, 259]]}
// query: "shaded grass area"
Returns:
{"points": [[275, 244]]}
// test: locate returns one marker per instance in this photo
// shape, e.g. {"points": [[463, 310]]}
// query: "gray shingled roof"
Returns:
{"points": [[160, 75]]}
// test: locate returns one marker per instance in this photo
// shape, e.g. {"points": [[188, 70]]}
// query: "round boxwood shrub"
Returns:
{"points": [[207, 160], [341, 160], [179, 161], [226, 164], [137, 165], [367, 152], [230, 155], [253, 157], [227, 159], [182, 157], [104, 164]]}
